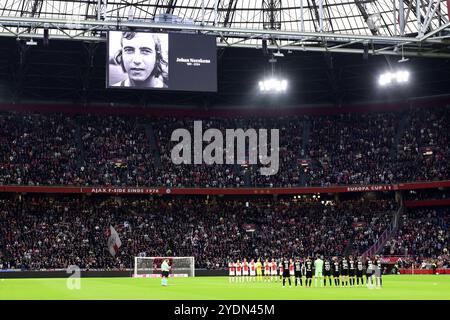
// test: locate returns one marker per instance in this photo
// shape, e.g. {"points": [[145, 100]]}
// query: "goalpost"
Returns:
{"points": [[150, 267]]}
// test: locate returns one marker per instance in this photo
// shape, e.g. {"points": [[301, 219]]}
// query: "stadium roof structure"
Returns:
{"points": [[331, 51], [376, 27]]}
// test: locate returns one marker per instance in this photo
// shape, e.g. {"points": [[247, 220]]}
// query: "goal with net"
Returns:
{"points": [[151, 266]]}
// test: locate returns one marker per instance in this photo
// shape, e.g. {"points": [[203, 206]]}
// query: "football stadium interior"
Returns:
{"points": [[175, 149]]}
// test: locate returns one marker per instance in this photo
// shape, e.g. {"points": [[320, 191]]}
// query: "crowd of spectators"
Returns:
{"points": [[38, 149], [116, 152], [424, 235], [347, 148], [194, 175], [352, 149], [375, 219], [239, 174], [423, 151], [40, 232]]}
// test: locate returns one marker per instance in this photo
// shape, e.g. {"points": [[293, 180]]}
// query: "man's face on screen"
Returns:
{"points": [[139, 56]]}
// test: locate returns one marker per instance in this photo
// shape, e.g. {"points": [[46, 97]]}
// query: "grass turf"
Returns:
{"points": [[219, 288]]}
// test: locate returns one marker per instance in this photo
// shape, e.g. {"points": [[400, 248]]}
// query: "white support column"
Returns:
{"points": [[216, 4], [429, 16], [203, 12], [419, 23], [320, 15], [101, 9], [424, 27], [131, 13], [99, 2], [394, 11], [401, 16], [302, 22]]}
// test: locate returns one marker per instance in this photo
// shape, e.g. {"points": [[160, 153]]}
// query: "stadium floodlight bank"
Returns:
{"points": [[150, 267]]}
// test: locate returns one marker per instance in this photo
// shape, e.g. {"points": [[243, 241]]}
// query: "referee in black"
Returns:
{"points": [[286, 274]]}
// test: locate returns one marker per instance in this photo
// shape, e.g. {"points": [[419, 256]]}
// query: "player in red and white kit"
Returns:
{"points": [[252, 270], [273, 270], [231, 268], [291, 269], [245, 269], [266, 270], [238, 266]]}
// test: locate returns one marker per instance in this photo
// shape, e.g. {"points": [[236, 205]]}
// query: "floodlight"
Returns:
{"points": [[398, 77], [31, 42], [273, 84], [278, 54]]}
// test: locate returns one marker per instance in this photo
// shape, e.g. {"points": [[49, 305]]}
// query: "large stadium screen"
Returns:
{"points": [[161, 61]]}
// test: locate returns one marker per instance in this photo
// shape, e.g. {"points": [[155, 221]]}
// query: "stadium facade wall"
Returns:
{"points": [[427, 203], [18, 274], [425, 271], [229, 111], [222, 191]]}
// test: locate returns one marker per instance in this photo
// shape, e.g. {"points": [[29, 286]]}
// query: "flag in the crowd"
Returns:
{"points": [[114, 242]]}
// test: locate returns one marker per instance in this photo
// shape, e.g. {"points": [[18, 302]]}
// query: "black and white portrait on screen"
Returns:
{"points": [[138, 60]]}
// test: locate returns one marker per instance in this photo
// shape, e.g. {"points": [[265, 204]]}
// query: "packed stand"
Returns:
{"points": [[39, 232], [424, 234], [342, 149], [38, 149], [226, 175], [193, 175], [115, 152], [352, 149], [371, 224], [423, 152]]}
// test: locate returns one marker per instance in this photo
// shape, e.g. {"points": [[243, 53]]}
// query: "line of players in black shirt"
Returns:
{"points": [[342, 271]]}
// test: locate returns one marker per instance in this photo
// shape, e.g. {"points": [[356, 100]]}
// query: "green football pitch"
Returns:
{"points": [[207, 288]]}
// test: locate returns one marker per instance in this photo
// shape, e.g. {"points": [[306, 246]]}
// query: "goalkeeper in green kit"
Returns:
{"points": [[318, 267]]}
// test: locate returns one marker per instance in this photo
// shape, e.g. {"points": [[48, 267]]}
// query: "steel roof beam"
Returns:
{"points": [[429, 16], [171, 6], [352, 50], [272, 47], [428, 35], [230, 13], [281, 34]]}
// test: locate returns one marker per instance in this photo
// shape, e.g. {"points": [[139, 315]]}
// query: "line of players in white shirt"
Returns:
{"points": [[242, 270], [252, 268]]}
